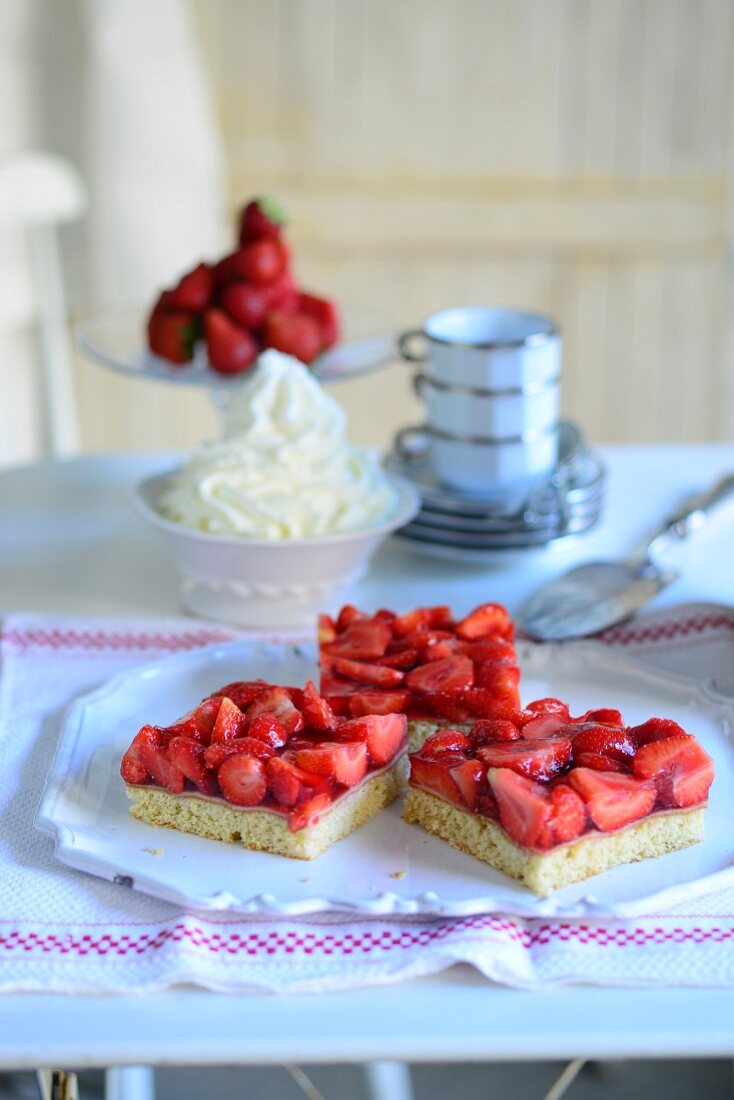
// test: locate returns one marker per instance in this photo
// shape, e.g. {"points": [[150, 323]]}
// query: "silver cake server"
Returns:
{"points": [[591, 597]]}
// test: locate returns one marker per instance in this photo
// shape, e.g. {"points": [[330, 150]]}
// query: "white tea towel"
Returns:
{"points": [[66, 931]]}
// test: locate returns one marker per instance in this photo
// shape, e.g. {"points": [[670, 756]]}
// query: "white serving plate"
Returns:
{"points": [[387, 866]]}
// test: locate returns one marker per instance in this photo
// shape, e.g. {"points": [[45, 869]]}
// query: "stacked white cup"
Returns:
{"points": [[491, 382]]}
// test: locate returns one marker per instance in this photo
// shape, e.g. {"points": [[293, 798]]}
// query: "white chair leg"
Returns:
{"points": [[129, 1083], [388, 1081], [61, 426]]}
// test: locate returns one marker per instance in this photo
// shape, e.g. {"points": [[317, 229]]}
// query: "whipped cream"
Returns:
{"points": [[284, 467]]}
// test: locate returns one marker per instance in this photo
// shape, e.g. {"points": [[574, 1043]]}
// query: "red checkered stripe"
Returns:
{"points": [[360, 943], [142, 641], [695, 625], [111, 640]]}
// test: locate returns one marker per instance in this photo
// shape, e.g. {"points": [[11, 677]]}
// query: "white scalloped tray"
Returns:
{"points": [[387, 866]]}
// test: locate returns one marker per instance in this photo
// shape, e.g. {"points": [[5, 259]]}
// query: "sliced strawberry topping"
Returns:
{"points": [[345, 763], [289, 783], [385, 735], [406, 658], [568, 814], [612, 800], [266, 729], [446, 741], [655, 729], [421, 639], [440, 704], [545, 725], [153, 757], [277, 701], [309, 812], [548, 706], [681, 769], [608, 740], [488, 649], [471, 779], [190, 758], [361, 640], [422, 618], [216, 754], [438, 651], [450, 675], [491, 704], [493, 729], [603, 716], [349, 614], [498, 677], [535, 759], [241, 692], [524, 807], [333, 686], [364, 673], [242, 780], [132, 771], [488, 618], [317, 714], [378, 702], [326, 629], [487, 806], [199, 723], [230, 722], [132, 766], [434, 776], [598, 762]]}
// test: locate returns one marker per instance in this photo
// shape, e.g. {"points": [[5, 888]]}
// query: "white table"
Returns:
{"points": [[69, 542]]}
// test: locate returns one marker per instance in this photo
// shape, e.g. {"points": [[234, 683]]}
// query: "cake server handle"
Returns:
{"points": [[692, 516]]}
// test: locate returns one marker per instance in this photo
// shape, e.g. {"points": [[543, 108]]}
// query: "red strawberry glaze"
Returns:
{"points": [[550, 779], [424, 663], [272, 756]]}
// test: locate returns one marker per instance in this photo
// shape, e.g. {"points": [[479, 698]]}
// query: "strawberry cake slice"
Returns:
{"points": [[425, 664], [551, 800], [271, 768]]}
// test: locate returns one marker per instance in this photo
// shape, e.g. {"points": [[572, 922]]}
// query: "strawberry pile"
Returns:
{"points": [[256, 745], [425, 663], [548, 778], [246, 302]]}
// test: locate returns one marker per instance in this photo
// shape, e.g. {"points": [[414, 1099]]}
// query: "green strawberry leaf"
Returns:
{"points": [[271, 210], [191, 334]]}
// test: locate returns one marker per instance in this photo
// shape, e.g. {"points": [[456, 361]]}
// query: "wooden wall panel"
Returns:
{"points": [[568, 155]]}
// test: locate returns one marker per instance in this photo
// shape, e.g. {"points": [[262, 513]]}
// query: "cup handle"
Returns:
{"points": [[419, 385], [404, 340], [412, 444]]}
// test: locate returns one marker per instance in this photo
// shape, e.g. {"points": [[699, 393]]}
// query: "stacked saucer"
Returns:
{"points": [[463, 526]]}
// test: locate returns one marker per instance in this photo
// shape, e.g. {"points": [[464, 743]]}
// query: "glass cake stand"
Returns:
{"points": [[117, 341]]}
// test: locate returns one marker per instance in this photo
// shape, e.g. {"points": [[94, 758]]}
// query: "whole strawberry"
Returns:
{"points": [[260, 218], [172, 332], [230, 349], [324, 313], [293, 334], [263, 261], [194, 290], [246, 303]]}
